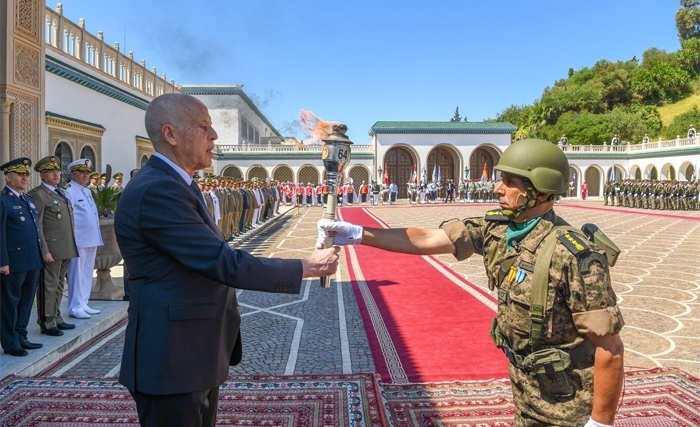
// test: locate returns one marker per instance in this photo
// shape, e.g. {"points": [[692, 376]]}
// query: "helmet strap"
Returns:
{"points": [[531, 202]]}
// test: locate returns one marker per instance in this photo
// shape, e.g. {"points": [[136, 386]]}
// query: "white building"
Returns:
{"points": [[84, 98]]}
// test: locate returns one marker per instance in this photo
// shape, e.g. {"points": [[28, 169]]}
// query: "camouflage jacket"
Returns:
{"points": [[580, 298]]}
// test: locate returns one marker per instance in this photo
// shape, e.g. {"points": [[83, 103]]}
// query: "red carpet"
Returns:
{"points": [[422, 326]]}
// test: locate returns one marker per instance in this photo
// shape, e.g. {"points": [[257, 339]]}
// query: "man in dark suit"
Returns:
{"points": [[20, 258], [183, 330], [57, 245]]}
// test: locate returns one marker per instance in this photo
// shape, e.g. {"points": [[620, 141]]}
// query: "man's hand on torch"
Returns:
{"points": [[344, 233], [322, 262]]}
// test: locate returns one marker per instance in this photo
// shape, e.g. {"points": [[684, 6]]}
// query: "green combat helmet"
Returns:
{"points": [[543, 166]]}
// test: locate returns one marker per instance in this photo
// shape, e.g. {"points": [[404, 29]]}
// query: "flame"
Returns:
{"points": [[318, 129]]}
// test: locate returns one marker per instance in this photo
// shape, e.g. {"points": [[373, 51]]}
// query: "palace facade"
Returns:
{"points": [[65, 91]]}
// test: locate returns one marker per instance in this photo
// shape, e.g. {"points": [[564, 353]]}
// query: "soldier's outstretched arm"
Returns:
{"points": [[416, 241]]}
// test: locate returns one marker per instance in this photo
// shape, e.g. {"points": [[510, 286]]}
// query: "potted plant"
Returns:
{"points": [[108, 255]]}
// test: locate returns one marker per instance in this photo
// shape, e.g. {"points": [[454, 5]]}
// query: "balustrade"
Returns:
{"points": [[68, 39], [629, 148]]}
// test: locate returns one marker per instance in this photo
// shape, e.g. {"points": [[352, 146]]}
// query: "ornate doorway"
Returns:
{"points": [[399, 163], [481, 163], [446, 162]]}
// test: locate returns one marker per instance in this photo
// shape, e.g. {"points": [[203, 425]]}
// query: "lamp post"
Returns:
{"points": [[335, 154]]}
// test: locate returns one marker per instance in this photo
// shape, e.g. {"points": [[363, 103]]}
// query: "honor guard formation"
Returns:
{"points": [[237, 205], [653, 194]]}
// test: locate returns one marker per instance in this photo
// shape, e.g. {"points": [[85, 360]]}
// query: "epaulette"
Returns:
{"points": [[573, 242], [67, 186], [495, 215]]}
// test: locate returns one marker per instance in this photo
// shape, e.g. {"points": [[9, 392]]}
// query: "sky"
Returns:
{"points": [[362, 61]]}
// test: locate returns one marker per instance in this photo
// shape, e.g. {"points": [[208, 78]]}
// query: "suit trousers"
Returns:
{"points": [[48, 296], [17, 292], [196, 409], [80, 279]]}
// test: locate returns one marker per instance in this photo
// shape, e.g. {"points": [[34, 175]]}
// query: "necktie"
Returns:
{"points": [[61, 193]]}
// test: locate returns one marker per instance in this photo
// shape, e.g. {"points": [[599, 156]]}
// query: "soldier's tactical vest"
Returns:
{"points": [[547, 365]]}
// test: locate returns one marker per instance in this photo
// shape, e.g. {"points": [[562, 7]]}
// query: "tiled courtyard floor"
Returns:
{"points": [[657, 280]]}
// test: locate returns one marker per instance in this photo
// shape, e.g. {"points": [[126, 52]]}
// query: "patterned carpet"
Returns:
{"points": [[655, 398], [659, 397], [271, 401]]}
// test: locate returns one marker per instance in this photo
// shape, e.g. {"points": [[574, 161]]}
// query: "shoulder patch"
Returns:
{"points": [[586, 263], [495, 215], [573, 242]]}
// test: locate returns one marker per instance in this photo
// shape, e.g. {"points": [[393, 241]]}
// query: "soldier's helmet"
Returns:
{"points": [[539, 161]]}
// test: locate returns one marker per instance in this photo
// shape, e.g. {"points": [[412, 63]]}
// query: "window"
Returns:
{"points": [[244, 128], [65, 155]]}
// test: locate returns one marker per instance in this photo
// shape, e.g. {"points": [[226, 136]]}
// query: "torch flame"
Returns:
{"points": [[318, 128]]}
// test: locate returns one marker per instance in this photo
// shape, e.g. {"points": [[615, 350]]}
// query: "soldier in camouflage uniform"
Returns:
{"points": [[581, 317]]}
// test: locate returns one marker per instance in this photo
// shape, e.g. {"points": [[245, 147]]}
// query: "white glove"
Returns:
{"points": [[344, 233], [592, 423]]}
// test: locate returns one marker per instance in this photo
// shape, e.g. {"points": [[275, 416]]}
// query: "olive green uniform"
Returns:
{"points": [[580, 301]]}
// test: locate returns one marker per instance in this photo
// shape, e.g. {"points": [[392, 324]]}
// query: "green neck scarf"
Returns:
{"points": [[518, 230]]}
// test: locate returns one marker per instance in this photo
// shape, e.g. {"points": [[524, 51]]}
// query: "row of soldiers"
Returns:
{"points": [[237, 205], [653, 194], [98, 181]]}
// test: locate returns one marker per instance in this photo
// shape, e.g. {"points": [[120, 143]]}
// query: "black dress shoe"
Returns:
{"points": [[65, 326], [17, 352], [26, 344], [54, 332]]}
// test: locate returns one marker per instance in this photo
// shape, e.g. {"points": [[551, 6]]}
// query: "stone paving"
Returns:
{"points": [[657, 280]]}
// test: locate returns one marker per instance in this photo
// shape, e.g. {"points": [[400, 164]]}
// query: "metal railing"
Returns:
{"points": [[660, 145], [296, 148]]}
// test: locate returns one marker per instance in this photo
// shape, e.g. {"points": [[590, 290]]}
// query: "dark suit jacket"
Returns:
{"points": [[21, 241], [183, 329], [57, 223]]}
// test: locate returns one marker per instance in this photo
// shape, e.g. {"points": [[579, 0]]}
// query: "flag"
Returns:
{"points": [[439, 175], [485, 172], [612, 173], [386, 175], [424, 175], [435, 173], [469, 174], [694, 175], [415, 175]]}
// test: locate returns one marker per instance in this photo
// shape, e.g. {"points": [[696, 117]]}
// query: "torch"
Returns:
{"points": [[335, 154]]}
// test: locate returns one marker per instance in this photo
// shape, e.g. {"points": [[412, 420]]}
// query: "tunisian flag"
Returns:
{"points": [[485, 172], [385, 178]]}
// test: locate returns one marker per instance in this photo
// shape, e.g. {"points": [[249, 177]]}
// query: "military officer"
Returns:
{"points": [[57, 245], [118, 182], [94, 181], [553, 343], [20, 258], [87, 239]]}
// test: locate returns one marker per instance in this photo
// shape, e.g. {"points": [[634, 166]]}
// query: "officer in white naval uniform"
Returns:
{"points": [[87, 238]]}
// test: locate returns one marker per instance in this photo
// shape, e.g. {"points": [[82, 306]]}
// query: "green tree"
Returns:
{"points": [[654, 55], [456, 117], [516, 115], [662, 83], [688, 20], [689, 55]]}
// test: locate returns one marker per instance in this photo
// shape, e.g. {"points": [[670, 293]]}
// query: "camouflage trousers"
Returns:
{"points": [[532, 408]]}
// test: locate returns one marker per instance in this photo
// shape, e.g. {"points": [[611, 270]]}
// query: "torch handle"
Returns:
{"points": [[326, 280]]}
